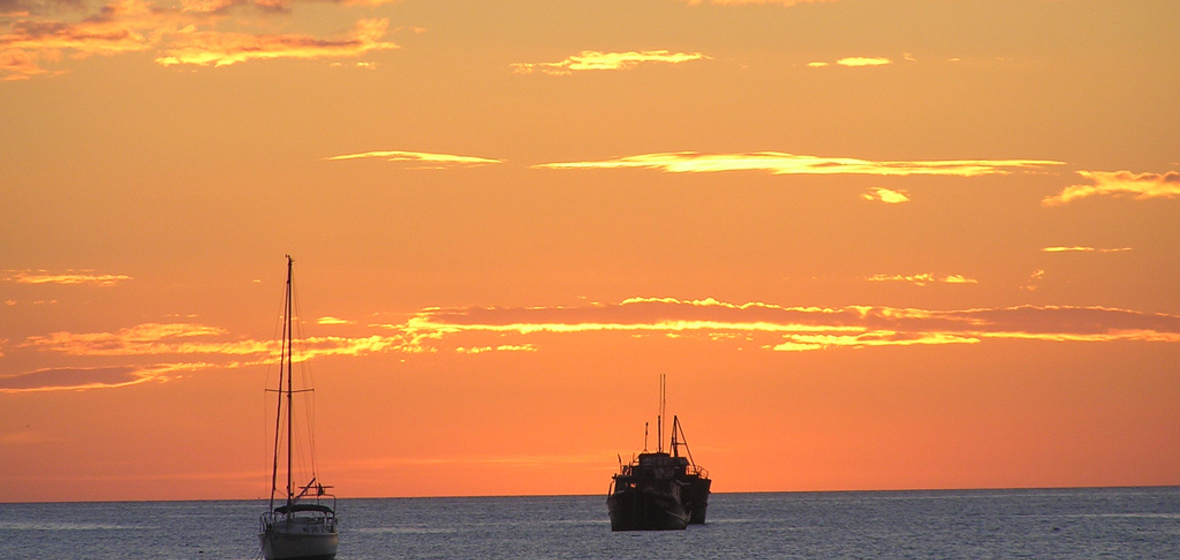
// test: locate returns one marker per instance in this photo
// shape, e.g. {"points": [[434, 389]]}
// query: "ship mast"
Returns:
{"points": [[660, 418]]}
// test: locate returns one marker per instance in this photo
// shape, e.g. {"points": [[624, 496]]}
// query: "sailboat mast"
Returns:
{"points": [[290, 356]]}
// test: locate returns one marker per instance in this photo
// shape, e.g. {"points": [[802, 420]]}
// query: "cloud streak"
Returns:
{"points": [[780, 163], [69, 277], [801, 328], [211, 48], [186, 34], [861, 61], [86, 378], [888, 196], [420, 160], [596, 60], [159, 352], [1077, 249], [1139, 186], [924, 279]]}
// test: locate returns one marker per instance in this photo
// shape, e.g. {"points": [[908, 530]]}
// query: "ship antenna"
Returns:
{"points": [[645, 437], [660, 418]]}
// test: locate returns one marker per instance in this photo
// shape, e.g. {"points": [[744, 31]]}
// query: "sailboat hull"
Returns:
{"points": [[278, 545]]}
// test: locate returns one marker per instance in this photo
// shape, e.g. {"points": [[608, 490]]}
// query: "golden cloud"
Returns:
{"points": [[780, 163], [482, 330], [422, 160], [70, 277], [1034, 280], [1076, 249], [332, 321], [1139, 186], [173, 339], [855, 61], [180, 35], [84, 378], [800, 328], [595, 60], [888, 196], [205, 48], [923, 279]]}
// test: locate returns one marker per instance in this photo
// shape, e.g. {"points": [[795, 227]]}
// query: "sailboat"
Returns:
{"points": [[303, 525], [661, 490]]}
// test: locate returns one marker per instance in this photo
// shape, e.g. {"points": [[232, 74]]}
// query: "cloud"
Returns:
{"points": [[185, 346], [888, 196], [82, 378], [184, 34], [177, 339], [1034, 281], [857, 61], [781, 328], [780, 163], [923, 279], [1076, 249], [205, 48], [500, 348], [70, 277], [421, 160], [1139, 186], [595, 60], [170, 349], [332, 321]]}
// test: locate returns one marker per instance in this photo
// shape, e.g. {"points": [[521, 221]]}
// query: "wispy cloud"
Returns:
{"points": [[1139, 186], [1077, 249], [595, 60], [161, 352], [888, 196], [68, 277], [194, 339], [924, 279], [1034, 281], [780, 163], [82, 378], [857, 61], [421, 160], [184, 34], [800, 328], [332, 321], [212, 48]]}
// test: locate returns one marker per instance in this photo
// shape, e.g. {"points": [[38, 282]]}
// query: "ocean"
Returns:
{"points": [[1117, 523]]}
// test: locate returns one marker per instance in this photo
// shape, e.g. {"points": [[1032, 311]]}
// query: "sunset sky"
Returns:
{"points": [[874, 244]]}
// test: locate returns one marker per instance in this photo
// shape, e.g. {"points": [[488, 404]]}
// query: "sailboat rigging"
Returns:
{"points": [[304, 526]]}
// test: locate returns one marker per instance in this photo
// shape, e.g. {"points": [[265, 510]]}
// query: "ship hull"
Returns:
{"points": [[637, 510], [696, 499]]}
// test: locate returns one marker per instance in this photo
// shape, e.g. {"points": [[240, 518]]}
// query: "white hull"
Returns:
{"points": [[289, 546]]}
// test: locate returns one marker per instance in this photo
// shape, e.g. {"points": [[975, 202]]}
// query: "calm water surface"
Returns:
{"points": [[1123, 523]]}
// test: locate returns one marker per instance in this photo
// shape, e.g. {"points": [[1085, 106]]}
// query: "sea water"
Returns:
{"points": [[1117, 523]]}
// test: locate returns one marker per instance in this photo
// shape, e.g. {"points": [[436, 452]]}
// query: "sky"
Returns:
{"points": [[872, 244]]}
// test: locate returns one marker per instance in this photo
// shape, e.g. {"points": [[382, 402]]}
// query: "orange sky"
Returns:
{"points": [[873, 244]]}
